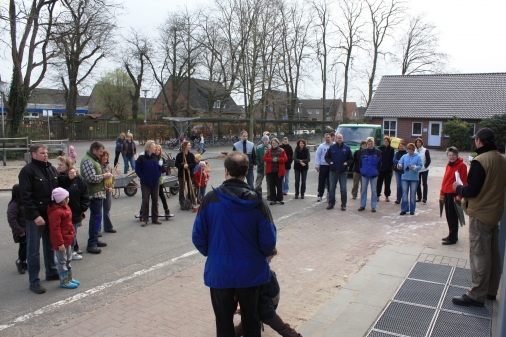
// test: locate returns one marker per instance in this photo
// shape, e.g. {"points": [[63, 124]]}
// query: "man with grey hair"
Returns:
{"points": [[339, 158], [36, 182], [484, 203]]}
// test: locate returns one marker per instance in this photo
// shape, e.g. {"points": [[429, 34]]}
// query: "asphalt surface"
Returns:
{"points": [[129, 257]]}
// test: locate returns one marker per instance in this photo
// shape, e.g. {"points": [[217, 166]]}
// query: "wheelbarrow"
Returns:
{"points": [[125, 182], [170, 185]]}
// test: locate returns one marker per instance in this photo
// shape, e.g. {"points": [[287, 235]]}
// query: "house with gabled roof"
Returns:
{"points": [[415, 106], [205, 97], [44, 100], [274, 105]]}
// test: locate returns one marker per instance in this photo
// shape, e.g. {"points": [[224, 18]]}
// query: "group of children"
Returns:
{"points": [[61, 229]]}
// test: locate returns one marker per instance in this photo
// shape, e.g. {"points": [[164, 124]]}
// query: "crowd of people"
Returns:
{"points": [[50, 203]]}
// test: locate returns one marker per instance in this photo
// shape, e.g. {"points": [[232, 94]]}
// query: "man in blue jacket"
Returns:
{"points": [[339, 158], [235, 230]]}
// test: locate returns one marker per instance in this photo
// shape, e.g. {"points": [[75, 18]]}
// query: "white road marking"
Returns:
{"points": [[94, 290], [55, 305]]}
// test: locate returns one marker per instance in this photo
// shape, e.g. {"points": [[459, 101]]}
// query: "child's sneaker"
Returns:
{"points": [[76, 256]]}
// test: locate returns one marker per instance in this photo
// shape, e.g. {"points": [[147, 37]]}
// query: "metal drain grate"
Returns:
{"points": [[406, 319], [417, 308], [451, 324], [379, 334], [485, 312], [420, 292], [461, 277], [430, 272]]}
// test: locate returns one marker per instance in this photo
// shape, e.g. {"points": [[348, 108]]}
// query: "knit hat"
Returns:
{"points": [[265, 138], [71, 147], [202, 164], [266, 133], [59, 194], [198, 156]]}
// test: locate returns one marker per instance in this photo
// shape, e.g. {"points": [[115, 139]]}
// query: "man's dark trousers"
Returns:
{"points": [[225, 306], [323, 178], [95, 221]]}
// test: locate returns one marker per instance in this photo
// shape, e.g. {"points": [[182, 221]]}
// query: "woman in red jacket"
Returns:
{"points": [[448, 195], [275, 159]]}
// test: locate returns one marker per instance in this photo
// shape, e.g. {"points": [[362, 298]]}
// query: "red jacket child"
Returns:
{"points": [[61, 229], [200, 177]]}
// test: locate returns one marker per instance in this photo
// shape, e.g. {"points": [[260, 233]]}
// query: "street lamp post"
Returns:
{"points": [[145, 91], [2, 90], [300, 106]]}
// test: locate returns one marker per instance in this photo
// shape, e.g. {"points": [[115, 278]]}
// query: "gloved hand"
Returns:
{"points": [[275, 159]]}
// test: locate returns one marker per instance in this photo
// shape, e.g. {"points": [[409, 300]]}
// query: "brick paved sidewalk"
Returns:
{"points": [[317, 256]]}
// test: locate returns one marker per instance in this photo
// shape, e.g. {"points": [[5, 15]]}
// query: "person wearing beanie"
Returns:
{"points": [[61, 231], [484, 204], [200, 178]]}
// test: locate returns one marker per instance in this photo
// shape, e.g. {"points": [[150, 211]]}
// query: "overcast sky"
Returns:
{"points": [[473, 33]]}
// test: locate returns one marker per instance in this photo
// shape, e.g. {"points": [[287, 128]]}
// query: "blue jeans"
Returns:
{"points": [[363, 195], [286, 181], [300, 180], [398, 181], [334, 177], [33, 235], [250, 179], [323, 177], [95, 221], [409, 186], [75, 234], [127, 160], [106, 207]]}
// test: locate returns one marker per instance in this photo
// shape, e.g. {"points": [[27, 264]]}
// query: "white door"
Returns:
{"points": [[435, 129]]}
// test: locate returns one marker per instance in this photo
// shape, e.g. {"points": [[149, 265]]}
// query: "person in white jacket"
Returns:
{"points": [[423, 174]]}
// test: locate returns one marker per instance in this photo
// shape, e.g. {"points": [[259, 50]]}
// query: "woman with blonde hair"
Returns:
{"points": [[106, 205], [161, 194], [411, 163], [79, 199], [185, 163], [149, 171]]}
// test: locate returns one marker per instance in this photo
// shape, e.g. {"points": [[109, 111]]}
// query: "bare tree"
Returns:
{"points": [[83, 35], [385, 15], [137, 50], [112, 92], [174, 60], [350, 31], [323, 47], [30, 27], [295, 40], [419, 47]]}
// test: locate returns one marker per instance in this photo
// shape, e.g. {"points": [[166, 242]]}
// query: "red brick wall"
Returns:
{"points": [[404, 128]]}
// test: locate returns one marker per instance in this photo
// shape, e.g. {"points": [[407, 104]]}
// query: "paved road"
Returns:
{"points": [[140, 259]]}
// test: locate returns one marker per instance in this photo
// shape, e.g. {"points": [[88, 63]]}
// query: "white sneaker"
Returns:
{"points": [[319, 199], [76, 256]]}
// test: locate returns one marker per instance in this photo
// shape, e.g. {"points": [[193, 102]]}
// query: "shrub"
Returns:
{"points": [[459, 132], [153, 131], [498, 124]]}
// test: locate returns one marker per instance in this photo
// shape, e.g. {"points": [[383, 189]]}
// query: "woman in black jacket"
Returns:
{"points": [[301, 158], [385, 172], [357, 177], [185, 163], [288, 165], [79, 199]]}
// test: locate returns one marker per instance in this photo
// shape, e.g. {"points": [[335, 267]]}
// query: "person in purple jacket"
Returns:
{"points": [[235, 231]]}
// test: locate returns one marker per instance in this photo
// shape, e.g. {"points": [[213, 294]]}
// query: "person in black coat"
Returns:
{"points": [[16, 219], [387, 162], [185, 163], [355, 168], [288, 165], [301, 158]]}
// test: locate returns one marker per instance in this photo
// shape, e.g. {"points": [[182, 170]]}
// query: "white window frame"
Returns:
{"points": [[474, 128], [309, 112], [413, 129], [317, 112], [389, 129], [217, 104]]}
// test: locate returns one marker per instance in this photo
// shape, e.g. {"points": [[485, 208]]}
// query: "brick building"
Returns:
{"points": [[415, 106]]}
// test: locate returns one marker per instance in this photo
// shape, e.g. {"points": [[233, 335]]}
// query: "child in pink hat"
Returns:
{"points": [[61, 232]]}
